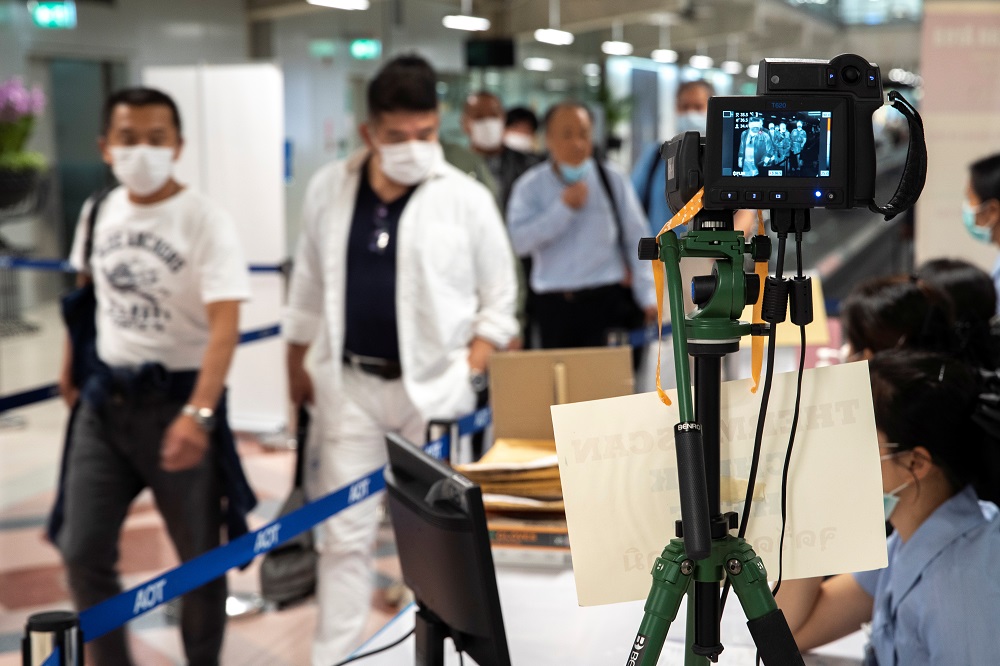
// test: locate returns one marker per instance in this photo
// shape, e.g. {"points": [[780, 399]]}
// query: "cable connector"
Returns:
{"points": [[800, 299], [775, 307]]}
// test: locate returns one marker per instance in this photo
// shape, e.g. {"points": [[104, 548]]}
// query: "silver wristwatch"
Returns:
{"points": [[204, 417], [479, 380]]}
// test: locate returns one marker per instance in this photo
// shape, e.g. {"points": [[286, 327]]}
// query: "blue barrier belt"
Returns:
{"points": [[115, 612], [50, 391], [260, 334], [63, 266]]}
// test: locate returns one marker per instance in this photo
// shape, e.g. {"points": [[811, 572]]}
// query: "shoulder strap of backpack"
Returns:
{"points": [[98, 199]]}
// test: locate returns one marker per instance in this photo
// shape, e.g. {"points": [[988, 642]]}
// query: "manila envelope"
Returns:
{"points": [[619, 477]]}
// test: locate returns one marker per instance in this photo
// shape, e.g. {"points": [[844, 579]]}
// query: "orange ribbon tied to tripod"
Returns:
{"points": [[683, 216]]}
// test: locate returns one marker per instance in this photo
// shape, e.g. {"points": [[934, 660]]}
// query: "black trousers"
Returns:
{"points": [[115, 454], [577, 318]]}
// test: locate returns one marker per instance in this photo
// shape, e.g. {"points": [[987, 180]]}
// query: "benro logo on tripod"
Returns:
{"points": [[636, 655]]}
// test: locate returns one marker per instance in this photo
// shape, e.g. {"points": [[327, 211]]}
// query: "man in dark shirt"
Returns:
{"points": [[403, 285], [483, 122]]}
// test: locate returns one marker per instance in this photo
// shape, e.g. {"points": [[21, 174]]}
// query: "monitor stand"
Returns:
{"points": [[430, 633]]}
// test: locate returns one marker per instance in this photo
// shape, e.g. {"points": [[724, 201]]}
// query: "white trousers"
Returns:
{"points": [[344, 445]]}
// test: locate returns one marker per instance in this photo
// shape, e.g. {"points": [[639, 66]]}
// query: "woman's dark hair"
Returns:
{"points": [[138, 97], [406, 83], [521, 114], [928, 399], [974, 300], [887, 312], [985, 177]]}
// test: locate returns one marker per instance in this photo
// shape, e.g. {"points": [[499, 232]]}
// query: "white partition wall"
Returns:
{"points": [[233, 122]]}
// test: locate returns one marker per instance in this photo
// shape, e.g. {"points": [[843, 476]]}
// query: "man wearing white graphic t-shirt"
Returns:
{"points": [[168, 274]]}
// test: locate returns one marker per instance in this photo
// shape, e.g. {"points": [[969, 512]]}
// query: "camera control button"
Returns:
{"points": [[778, 196], [727, 195], [754, 195], [831, 76], [852, 74], [872, 78]]}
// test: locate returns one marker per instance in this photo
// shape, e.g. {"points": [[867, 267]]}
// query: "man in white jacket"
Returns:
{"points": [[403, 286]]}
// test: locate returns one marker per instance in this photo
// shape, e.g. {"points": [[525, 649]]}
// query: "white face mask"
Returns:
{"points": [[521, 142], [486, 134], [142, 169], [692, 121], [410, 162]]}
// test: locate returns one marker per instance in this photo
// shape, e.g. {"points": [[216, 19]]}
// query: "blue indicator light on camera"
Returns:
{"points": [[818, 194]]}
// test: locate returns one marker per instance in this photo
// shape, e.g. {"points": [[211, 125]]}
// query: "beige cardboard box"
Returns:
{"points": [[520, 473], [525, 384]]}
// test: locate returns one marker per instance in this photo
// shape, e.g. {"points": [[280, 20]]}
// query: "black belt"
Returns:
{"points": [[584, 295], [380, 367]]}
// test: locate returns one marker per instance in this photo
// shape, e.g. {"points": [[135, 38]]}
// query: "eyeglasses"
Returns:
{"points": [[890, 456], [380, 234]]}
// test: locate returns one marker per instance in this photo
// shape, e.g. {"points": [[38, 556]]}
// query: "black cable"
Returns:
{"points": [[795, 424], [365, 655], [761, 416]]}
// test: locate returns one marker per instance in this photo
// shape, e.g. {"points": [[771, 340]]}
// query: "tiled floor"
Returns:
{"points": [[31, 574]]}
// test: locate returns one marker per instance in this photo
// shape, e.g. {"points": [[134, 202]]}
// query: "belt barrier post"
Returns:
{"points": [[46, 633]]}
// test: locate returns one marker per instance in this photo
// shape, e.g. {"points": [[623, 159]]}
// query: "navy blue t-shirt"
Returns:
{"points": [[371, 274]]}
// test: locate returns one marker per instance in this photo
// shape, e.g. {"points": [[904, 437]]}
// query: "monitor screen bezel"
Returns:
{"points": [[770, 105]]}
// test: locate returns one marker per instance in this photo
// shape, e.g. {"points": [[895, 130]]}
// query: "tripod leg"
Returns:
{"points": [[671, 579], [767, 623]]}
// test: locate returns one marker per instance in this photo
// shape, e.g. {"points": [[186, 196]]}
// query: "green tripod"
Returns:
{"points": [[704, 554]]}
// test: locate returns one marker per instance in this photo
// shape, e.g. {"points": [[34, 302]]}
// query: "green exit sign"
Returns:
{"points": [[365, 49], [54, 15]]}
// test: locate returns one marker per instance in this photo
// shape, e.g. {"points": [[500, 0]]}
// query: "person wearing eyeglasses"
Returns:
{"points": [[937, 601], [403, 286]]}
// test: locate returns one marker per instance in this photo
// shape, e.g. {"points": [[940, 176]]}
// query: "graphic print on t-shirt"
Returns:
{"points": [[137, 290]]}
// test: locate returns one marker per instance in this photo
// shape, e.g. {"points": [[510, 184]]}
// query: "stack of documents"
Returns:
{"points": [[519, 476]]}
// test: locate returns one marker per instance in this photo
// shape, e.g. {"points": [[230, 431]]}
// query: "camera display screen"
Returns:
{"points": [[778, 144]]}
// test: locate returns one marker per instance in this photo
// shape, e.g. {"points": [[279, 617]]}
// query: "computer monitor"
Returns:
{"points": [[444, 551]]}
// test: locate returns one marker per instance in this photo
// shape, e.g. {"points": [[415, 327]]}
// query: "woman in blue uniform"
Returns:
{"points": [[938, 600]]}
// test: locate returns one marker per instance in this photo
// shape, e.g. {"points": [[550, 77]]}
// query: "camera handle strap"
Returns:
{"points": [[911, 183]]}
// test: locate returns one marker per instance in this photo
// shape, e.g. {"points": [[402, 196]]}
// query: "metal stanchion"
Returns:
{"points": [[47, 632]]}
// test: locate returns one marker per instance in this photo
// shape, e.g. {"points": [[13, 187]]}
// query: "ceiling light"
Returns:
{"points": [[701, 62], [752, 71], [732, 67], [462, 22], [538, 64], [553, 36], [591, 69], [616, 48], [340, 4], [664, 55], [465, 20]]}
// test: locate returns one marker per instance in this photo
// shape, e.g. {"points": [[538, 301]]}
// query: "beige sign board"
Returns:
{"points": [[619, 476]]}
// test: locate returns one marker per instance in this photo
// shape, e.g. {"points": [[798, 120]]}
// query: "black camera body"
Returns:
{"points": [[804, 141]]}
